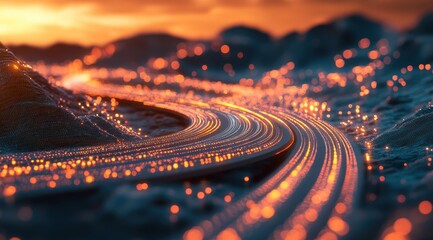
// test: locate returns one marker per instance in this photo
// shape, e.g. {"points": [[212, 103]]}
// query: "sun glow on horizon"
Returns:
{"points": [[95, 22]]}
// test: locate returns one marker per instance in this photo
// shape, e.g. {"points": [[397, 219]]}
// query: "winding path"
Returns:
{"points": [[310, 195]]}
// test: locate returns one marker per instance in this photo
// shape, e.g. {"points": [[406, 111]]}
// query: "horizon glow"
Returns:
{"points": [[50, 21]]}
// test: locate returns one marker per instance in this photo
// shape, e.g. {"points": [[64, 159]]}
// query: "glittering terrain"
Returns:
{"points": [[286, 152], [316, 182], [222, 134]]}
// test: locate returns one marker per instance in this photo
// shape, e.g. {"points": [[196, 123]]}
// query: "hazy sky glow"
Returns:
{"points": [[90, 22]]}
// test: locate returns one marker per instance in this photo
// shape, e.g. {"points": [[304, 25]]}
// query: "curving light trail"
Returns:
{"points": [[219, 136], [309, 196]]}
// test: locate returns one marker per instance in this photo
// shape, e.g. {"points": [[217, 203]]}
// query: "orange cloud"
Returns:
{"points": [[96, 22]]}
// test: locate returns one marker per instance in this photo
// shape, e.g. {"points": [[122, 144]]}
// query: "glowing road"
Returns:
{"points": [[220, 135], [308, 196]]}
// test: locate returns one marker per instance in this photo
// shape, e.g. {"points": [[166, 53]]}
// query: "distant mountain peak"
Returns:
{"points": [[425, 25], [241, 33]]}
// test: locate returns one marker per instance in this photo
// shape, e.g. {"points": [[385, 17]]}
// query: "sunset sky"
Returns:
{"points": [[89, 22]]}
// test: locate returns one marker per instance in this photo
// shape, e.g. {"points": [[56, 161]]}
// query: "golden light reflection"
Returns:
{"points": [[244, 122]]}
